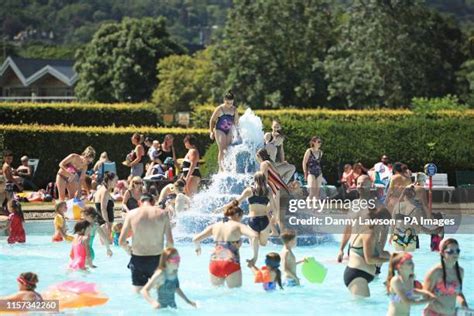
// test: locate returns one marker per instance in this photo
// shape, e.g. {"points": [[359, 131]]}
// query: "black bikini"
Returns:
{"points": [[352, 273], [258, 223]]}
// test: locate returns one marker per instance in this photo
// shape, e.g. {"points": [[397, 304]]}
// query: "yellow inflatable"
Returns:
{"points": [[75, 294]]}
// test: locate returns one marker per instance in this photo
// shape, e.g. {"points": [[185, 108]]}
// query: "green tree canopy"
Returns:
{"points": [[271, 52], [391, 51], [183, 81], [119, 64]]}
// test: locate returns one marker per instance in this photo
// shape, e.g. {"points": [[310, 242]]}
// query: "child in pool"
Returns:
{"points": [[289, 262], [16, 232], [438, 236], [89, 214], [26, 289], [401, 287], [116, 230], [270, 274], [80, 247], [60, 233], [166, 280]]}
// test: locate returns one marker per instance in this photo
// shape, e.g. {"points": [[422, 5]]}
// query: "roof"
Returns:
{"points": [[29, 70]]}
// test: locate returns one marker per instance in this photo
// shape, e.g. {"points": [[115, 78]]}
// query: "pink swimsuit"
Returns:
{"points": [[78, 255]]}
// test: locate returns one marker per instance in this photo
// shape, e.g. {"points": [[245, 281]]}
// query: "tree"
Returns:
{"points": [[183, 81], [391, 51], [466, 82], [119, 64], [271, 52]]}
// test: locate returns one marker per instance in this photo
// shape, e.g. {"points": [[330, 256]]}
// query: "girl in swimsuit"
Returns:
{"points": [[270, 274], [261, 204], [398, 182], [312, 167], [16, 232], [191, 173], [27, 282], [132, 195], [89, 214], [72, 173], [80, 254], [166, 280], [225, 117], [104, 202], [224, 266], [401, 287], [167, 148], [60, 230], [444, 281]]}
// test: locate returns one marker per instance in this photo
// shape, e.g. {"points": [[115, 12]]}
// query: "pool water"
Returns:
{"points": [[49, 260]]}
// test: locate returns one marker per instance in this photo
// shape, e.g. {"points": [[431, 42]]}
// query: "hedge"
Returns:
{"points": [[202, 114], [79, 114], [414, 140], [52, 143]]}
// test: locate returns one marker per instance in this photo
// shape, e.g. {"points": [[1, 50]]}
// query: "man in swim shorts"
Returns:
{"points": [[148, 224]]}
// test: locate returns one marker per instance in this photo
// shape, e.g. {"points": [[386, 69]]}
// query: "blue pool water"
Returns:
{"points": [[49, 261]]}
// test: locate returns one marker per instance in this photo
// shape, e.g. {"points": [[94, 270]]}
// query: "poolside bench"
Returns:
{"points": [[440, 183]]}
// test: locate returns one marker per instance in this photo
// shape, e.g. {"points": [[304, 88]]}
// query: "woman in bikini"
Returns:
{"points": [[445, 281], [72, 173], [224, 266], [190, 167], [364, 256], [132, 195], [225, 117], [312, 167], [261, 204]]}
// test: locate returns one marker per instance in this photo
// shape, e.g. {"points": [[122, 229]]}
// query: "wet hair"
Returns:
{"points": [[108, 177], [146, 197], [90, 211], [7, 153], [229, 95], [313, 140], [272, 260], [180, 183], [191, 140], [233, 209], [263, 154], [15, 206], [287, 236], [89, 152], [81, 227], [393, 265], [59, 205], [165, 255], [28, 279], [260, 184], [444, 244]]}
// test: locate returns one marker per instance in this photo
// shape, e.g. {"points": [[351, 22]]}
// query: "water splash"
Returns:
{"points": [[240, 164]]}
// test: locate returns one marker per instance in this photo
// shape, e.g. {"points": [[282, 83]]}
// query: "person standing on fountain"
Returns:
{"points": [[261, 204], [190, 166], [223, 118], [313, 173], [224, 266], [274, 145]]}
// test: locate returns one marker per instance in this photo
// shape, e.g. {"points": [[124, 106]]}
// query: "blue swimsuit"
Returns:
{"points": [[225, 122]]}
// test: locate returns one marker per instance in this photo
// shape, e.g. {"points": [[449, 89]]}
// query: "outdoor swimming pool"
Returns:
{"points": [[49, 260]]}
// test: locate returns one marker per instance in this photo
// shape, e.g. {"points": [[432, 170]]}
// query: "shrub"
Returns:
{"points": [[52, 143], [427, 105], [79, 114]]}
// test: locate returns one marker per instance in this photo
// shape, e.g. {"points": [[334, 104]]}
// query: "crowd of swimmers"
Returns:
{"points": [[148, 218]]}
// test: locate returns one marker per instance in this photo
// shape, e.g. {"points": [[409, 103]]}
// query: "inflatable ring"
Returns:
{"points": [[75, 294]]}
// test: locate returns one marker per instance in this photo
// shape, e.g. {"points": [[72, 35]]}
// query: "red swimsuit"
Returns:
{"points": [[17, 232]]}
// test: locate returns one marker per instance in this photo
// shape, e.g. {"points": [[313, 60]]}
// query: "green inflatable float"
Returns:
{"points": [[314, 271]]}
